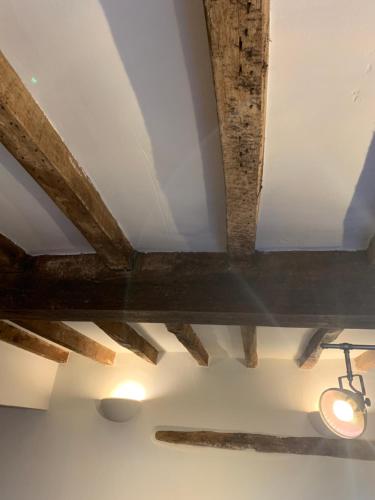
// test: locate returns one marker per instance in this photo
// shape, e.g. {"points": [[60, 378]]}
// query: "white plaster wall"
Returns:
{"points": [[71, 453], [26, 380]]}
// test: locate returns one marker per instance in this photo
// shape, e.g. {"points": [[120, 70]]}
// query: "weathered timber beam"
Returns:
{"points": [[10, 253], [291, 289], [127, 337], [69, 338], [28, 135], [365, 361], [371, 251], [312, 352], [337, 448], [239, 36], [19, 338], [190, 340], [249, 341]]}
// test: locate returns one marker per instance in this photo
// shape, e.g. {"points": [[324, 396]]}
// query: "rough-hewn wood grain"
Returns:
{"points": [[239, 35], [190, 340], [19, 338], [249, 341], [10, 253], [371, 251], [127, 337], [69, 338], [365, 361], [311, 353], [31, 139], [337, 448], [291, 289]]}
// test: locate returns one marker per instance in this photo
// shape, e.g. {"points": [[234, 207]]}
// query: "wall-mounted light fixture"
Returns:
{"points": [[124, 404], [344, 410]]}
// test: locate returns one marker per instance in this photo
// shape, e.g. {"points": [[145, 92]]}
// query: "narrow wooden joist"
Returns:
{"points": [[239, 37], [28, 135], [127, 337], [190, 340], [64, 335], [263, 443], [10, 253], [365, 361], [249, 341], [312, 352], [19, 338], [290, 289]]}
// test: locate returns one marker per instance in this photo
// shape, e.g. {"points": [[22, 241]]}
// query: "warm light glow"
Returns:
{"points": [[129, 390], [343, 410]]}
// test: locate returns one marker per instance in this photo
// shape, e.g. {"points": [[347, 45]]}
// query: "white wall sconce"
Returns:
{"points": [[125, 403]]}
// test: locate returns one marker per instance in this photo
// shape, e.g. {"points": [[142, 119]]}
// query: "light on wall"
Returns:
{"points": [[124, 404], [343, 410]]}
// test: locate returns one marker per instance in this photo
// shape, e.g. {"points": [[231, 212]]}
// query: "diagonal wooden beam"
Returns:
{"points": [[190, 340], [263, 443], [127, 337], [365, 361], [311, 354], [19, 338], [69, 338], [249, 340], [239, 35], [28, 135], [10, 253]]}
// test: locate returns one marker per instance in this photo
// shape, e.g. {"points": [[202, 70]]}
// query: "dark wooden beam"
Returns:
{"points": [[337, 448], [10, 253], [239, 35], [127, 337], [311, 353], [365, 361], [371, 251], [64, 335], [190, 340], [28, 135], [290, 289], [18, 338], [249, 340]]}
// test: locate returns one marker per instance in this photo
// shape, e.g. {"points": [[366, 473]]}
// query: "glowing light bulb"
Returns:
{"points": [[129, 390], [343, 410]]}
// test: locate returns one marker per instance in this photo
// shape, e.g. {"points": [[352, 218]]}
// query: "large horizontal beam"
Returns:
{"points": [[300, 289], [28, 135], [337, 448]]}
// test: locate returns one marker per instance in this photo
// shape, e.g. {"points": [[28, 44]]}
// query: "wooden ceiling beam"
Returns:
{"points": [[355, 449], [64, 335], [291, 289], [10, 253], [127, 337], [19, 338], [190, 340], [312, 351], [365, 361], [28, 135], [249, 341], [239, 37]]}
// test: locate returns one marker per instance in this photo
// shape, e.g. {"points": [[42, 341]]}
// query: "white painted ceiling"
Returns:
{"points": [[128, 86]]}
